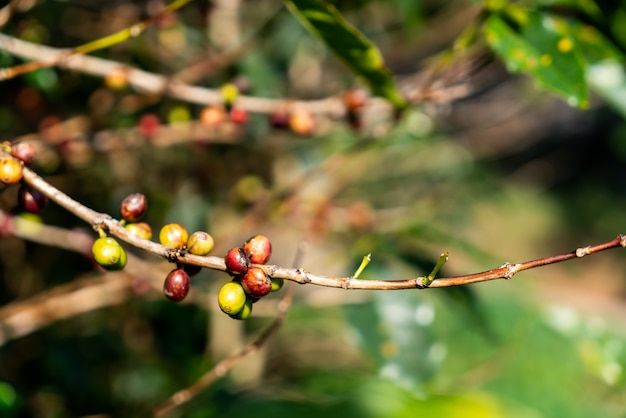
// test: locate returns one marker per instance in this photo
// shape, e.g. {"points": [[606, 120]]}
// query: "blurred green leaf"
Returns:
{"points": [[363, 57], [542, 46]]}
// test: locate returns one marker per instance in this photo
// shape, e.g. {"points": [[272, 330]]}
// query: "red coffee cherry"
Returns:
{"points": [[173, 235], [176, 285], [23, 151], [256, 283], [10, 171], [212, 115], [236, 261], [258, 249], [31, 200], [238, 115], [302, 122], [133, 207]]}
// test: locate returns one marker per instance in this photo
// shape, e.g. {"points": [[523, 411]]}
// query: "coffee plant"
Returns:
{"points": [[219, 154]]}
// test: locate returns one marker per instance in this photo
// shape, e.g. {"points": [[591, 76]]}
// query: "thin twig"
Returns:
{"points": [[105, 221]]}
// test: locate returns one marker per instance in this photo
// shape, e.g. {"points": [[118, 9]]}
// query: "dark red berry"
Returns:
{"points": [[236, 261], [192, 269], [23, 151], [280, 120], [31, 200], [258, 249], [256, 283], [133, 207], [176, 285]]}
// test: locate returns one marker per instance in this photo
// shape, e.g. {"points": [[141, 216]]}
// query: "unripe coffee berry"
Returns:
{"points": [[23, 151], [176, 285], [277, 284], [173, 235], [133, 207], [236, 261], [109, 254], [31, 200], [258, 249], [302, 122], [10, 171], [256, 283], [245, 312], [231, 298], [200, 243], [139, 229]]}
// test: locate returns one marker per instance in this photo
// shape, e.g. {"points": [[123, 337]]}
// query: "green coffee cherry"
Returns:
{"points": [[109, 254], [245, 312], [277, 284], [231, 298], [200, 243], [140, 229]]}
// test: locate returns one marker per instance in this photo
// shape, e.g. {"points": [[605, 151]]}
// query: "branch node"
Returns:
{"points": [[304, 277], [347, 283], [583, 251], [622, 240], [511, 269], [173, 254]]}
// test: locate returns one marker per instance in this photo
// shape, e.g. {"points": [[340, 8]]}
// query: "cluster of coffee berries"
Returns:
{"points": [[250, 283], [11, 172]]}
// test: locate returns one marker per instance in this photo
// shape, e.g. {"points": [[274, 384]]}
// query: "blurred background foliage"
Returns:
{"points": [[507, 173]]}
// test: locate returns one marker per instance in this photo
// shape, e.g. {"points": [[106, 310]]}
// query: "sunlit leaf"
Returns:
{"points": [[543, 48], [363, 57]]}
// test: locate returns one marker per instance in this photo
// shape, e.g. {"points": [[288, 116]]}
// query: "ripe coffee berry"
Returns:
{"points": [[200, 243], [109, 254], [212, 115], [258, 249], [139, 229], [133, 207], [236, 261], [302, 122], [176, 285], [23, 151], [238, 115], [256, 283], [31, 200], [173, 235], [10, 171], [231, 298]]}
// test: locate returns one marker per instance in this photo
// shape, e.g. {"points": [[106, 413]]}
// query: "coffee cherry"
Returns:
{"points": [[238, 115], [258, 249], [236, 261], [176, 285], [256, 283], [10, 171], [200, 243], [245, 312], [354, 99], [277, 284], [23, 151], [149, 125], [192, 269], [231, 298], [139, 229], [302, 122], [173, 235], [133, 207], [280, 120], [109, 253], [212, 115], [31, 200]]}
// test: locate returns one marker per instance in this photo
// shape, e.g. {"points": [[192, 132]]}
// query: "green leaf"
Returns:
{"points": [[324, 21], [542, 47]]}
